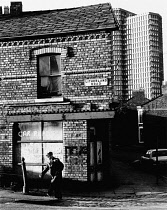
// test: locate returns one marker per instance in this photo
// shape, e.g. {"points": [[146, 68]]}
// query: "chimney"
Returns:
{"points": [[16, 8], [0, 10], [138, 93], [164, 88], [6, 10]]}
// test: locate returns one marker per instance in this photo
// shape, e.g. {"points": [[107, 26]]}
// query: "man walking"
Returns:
{"points": [[56, 167]]}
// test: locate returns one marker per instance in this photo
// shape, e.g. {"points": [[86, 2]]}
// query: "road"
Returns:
{"points": [[139, 184], [149, 202]]}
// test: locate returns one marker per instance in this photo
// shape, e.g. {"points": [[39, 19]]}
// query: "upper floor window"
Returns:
{"points": [[49, 76], [140, 116]]}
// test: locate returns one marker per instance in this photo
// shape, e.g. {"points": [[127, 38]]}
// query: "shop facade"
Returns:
{"points": [[56, 94]]}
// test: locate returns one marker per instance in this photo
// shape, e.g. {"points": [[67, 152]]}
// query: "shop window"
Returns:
{"points": [[40, 131], [49, 76], [33, 140]]}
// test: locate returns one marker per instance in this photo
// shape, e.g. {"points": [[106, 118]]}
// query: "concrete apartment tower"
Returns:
{"points": [[138, 54]]}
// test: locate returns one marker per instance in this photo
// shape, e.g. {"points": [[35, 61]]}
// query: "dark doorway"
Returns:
{"points": [[98, 144]]}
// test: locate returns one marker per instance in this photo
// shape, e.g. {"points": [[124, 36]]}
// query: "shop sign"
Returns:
{"points": [[37, 130], [29, 133], [96, 82]]}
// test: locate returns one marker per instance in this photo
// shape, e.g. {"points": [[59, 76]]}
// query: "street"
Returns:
{"points": [[137, 190], [156, 201]]}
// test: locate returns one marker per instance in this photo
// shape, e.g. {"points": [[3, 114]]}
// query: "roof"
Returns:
{"points": [[87, 18], [138, 99]]}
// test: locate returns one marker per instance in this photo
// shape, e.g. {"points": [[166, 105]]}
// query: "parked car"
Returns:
{"points": [[151, 157]]}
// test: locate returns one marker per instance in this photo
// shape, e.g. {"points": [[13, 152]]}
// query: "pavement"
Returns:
{"points": [[136, 190], [122, 191], [123, 197]]}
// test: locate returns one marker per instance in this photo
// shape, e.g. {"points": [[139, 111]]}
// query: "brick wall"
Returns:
{"points": [[6, 144], [75, 146], [155, 122], [18, 85], [92, 59]]}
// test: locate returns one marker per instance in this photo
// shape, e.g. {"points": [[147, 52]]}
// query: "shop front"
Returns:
{"points": [[81, 140]]}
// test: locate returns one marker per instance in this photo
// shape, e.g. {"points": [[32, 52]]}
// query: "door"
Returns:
{"points": [[96, 157]]}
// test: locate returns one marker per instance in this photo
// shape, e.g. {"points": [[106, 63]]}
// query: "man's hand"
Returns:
{"points": [[53, 179], [40, 176]]}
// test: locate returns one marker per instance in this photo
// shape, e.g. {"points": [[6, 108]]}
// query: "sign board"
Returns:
{"points": [[29, 131], [96, 82]]}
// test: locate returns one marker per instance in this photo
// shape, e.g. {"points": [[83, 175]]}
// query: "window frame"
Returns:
{"points": [[40, 93]]}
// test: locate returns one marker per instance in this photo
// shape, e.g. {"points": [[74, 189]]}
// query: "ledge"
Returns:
{"points": [[46, 100], [62, 116]]}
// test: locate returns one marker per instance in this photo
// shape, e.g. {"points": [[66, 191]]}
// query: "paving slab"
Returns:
{"points": [[142, 193], [124, 190]]}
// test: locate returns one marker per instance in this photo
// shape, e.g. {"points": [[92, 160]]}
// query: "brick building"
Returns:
{"points": [[142, 121], [155, 121], [57, 89], [129, 119]]}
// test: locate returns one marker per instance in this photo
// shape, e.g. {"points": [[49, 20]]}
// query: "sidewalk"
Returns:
{"points": [[132, 184], [123, 191], [124, 197]]}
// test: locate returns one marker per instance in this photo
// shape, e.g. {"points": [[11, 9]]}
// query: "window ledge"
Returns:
{"points": [[43, 100]]}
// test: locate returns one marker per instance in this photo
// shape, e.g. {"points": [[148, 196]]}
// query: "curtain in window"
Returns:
{"points": [[50, 76]]}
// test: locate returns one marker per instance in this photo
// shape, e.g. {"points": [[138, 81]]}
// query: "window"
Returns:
{"points": [[141, 140], [160, 153], [49, 76], [140, 116], [33, 140], [39, 131]]}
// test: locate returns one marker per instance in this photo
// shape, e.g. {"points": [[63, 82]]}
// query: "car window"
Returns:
{"points": [[160, 153]]}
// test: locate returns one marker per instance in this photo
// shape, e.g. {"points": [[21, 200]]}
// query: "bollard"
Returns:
{"points": [[25, 186]]}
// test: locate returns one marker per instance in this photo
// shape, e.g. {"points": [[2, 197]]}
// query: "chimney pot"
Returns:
{"points": [[0, 10], [6, 10], [16, 8]]}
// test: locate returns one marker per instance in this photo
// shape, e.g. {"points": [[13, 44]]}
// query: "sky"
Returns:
{"points": [[136, 6]]}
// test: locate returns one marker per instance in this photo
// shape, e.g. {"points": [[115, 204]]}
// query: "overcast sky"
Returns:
{"points": [[136, 6]]}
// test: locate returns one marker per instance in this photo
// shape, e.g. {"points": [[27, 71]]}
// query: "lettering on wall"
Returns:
{"points": [[80, 135], [38, 110], [29, 133]]}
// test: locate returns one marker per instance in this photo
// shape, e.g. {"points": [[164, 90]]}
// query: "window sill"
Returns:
{"points": [[43, 100]]}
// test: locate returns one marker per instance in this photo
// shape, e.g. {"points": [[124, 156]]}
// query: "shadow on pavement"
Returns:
{"points": [[48, 202]]}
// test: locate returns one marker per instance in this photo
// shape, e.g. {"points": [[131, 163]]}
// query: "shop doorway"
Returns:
{"points": [[98, 160]]}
